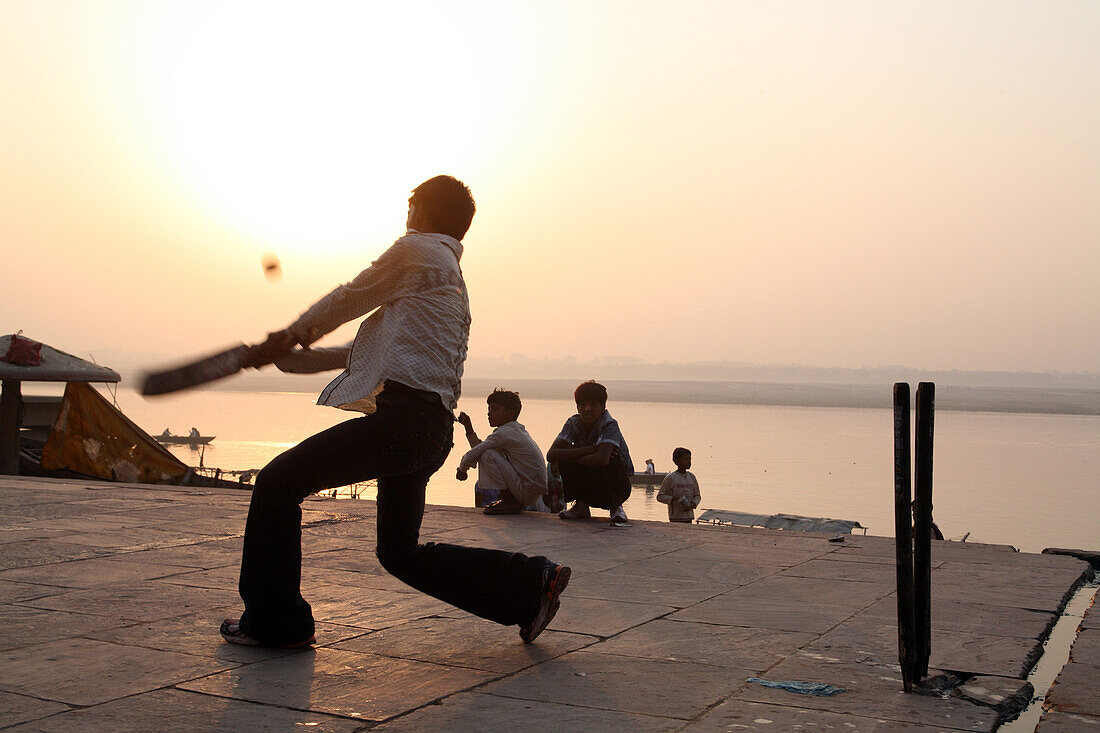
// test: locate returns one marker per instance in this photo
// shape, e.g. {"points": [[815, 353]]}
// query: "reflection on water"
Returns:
{"points": [[1022, 479]]}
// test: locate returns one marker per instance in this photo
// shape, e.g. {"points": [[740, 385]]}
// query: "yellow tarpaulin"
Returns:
{"points": [[92, 437]]}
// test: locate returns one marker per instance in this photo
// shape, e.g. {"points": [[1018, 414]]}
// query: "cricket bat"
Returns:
{"points": [[192, 374]]}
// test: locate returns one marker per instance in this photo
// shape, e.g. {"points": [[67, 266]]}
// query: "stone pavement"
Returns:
{"points": [[111, 595], [1073, 703]]}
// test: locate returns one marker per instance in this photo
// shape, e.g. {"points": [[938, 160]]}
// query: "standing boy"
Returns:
{"points": [[680, 489], [403, 372], [592, 457], [509, 461]]}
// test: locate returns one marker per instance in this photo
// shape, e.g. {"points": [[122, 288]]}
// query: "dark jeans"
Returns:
{"points": [[600, 486], [401, 444]]}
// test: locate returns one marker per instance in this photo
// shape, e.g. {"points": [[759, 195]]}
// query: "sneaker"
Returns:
{"points": [[618, 517], [579, 510], [506, 505], [554, 579], [231, 632]]}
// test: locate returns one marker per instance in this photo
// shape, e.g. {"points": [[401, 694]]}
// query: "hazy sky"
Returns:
{"points": [[826, 183]]}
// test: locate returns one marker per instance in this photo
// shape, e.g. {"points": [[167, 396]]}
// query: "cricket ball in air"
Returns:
{"points": [[273, 271]]}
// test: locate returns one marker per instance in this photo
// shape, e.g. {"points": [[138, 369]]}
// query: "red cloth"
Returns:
{"points": [[23, 352]]}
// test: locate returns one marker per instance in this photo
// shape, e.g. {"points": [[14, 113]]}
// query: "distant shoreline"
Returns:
{"points": [[1027, 400], [969, 399]]}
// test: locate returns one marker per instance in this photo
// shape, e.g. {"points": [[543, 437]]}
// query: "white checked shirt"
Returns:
{"points": [[418, 336]]}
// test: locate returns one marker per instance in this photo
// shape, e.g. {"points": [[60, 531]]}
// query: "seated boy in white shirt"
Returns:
{"points": [[509, 462], [680, 489]]}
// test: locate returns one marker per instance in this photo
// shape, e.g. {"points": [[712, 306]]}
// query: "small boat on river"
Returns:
{"points": [[193, 439]]}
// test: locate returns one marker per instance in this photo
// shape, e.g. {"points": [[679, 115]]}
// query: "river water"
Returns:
{"points": [[1028, 480]]}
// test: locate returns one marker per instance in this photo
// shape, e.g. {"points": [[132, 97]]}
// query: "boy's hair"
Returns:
{"points": [[590, 391], [510, 400], [680, 452], [447, 203]]}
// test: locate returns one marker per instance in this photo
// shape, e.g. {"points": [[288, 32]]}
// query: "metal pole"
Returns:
{"points": [[11, 400], [903, 524], [922, 531]]}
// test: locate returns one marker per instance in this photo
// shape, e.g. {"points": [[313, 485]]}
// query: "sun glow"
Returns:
{"points": [[307, 128]]}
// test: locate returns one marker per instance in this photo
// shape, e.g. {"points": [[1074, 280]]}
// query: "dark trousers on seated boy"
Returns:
{"points": [[605, 487]]}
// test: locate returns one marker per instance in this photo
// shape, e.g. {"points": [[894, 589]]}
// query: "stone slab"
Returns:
{"points": [[356, 533], [1043, 589], [767, 554], [197, 634], [627, 684], [13, 532], [465, 642], [995, 555], [975, 617], [26, 553], [730, 609], [594, 552], [146, 601], [495, 714], [613, 585], [744, 537], [178, 711], [721, 575], [738, 715], [216, 578], [1091, 620], [312, 544], [370, 608], [1054, 721], [92, 523], [1086, 649], [196, 512], [718, 646], [868, 688], [341, 682], [883, 548], [132, 505], [509, 532], [204, 555], [137, 538], [23, 626], [1092, 557], [87, 672], [598, 617], [830, 568], [863, 641], [20, 708], [49, 510], [1008, 697], [11, 592], [89, 573], [785, 589], [365, 582], [37, 492], [1075, 690], [351, 559]]}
